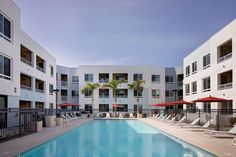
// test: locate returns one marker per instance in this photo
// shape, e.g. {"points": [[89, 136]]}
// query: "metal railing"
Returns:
{"points": [[225, 86], [103, 80], [226, 57], [40, 68], [26, 87], [26, 61], [39, 90]]}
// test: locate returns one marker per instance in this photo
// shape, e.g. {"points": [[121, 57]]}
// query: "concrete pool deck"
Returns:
{"points": [[14, 147], [219, 146]]}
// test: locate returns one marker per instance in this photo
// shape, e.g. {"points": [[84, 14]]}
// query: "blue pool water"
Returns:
{"points": [[115, 138]]}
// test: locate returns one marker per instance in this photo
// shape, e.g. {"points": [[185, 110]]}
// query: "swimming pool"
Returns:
{"points": [[115, 138]]}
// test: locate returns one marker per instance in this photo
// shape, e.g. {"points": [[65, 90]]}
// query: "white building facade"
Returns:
{"points": [[210, 70], [161, 84], [27, 71]]}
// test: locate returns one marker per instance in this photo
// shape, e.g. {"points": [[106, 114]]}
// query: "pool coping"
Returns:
{"points": [[211, 145]]}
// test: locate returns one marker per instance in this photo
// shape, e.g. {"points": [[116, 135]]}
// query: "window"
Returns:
{"points": [[187, 89], [88, 93], [155, 78], [51, 105], [156, 93], [103, 107], [140, 108], [206, 61], [103, 93], [194, 87], [88, 77], [227, 107], [74, 93], [88, 108], [26, 55], [169, 93], [51, 70], [137, 94], [5, 67], [187, 71], [40, 64], [138, 77], [169, 79], [224, 51], [39, 86], [50, 89], [5, 28], [75, 79], [194, 67], [122, 93], [206, 84]]}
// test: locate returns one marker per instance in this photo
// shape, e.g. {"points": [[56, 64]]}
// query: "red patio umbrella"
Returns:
{"points": [[210, 99], [165, 104], [115, 105], [181, 102]]}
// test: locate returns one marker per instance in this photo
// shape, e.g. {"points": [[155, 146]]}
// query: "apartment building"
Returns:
{"points": [[161, 84], [27, 71], [210, 70]]}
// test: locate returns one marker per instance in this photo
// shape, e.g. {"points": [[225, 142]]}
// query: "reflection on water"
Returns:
{"points": [[115, 138]]}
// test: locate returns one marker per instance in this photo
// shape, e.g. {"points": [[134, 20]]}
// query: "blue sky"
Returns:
{"points": [[146, 32]]}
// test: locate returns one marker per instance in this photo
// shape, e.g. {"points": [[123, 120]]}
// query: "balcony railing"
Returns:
{"points": [[64, 83], [40, 69], [206, 90], [26, 61], [103, 80], [39, 90], [226, 57], [122, 96], [103, 96], [155, 96], [180, 83], [63, 98], [26, 87], [225, 86]]}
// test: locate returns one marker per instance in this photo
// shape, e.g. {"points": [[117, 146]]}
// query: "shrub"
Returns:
{"points": [[232, 120]]}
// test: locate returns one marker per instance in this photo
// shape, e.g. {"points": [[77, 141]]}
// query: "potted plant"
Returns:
{"points": [[59, 119], [232, 121], [39, 123]]}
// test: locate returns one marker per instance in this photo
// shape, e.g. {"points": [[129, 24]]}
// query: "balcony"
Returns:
{"points": [[25, 82], [64, 83], [39, 86], [63, 98], [103, 93], [120, 76], [103, 78], [26, 56], [224, 51], [225, 80], [121, 93], [40, 64]]}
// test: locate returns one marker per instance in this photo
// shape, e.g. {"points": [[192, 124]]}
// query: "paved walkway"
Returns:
{"points": [[219, 146], [16, 146]]}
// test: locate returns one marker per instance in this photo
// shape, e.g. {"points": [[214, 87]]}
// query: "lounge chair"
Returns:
{"points": [[131, 115], [70, 118], [65, 119], [221, 134], [167, 118], [108, 115], [161, 117], [234, 141], [200, 128], [172, 120], [191, 124], [120, 115]]}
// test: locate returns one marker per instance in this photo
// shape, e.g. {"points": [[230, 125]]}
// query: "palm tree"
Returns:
{"points": [[90, 87], [113, 84], [137, 86]]}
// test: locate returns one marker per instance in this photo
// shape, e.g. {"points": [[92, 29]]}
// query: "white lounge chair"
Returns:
{"points": [[172, 120], [131, 115], [221, 134], [167, 118], [108, 115], [191, 124], [200, 128], [234, 141], [120, 115]]}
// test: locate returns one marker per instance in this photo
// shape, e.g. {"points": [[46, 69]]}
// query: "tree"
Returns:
{"points": [[137, 86], [90, 87], [113, 84]]}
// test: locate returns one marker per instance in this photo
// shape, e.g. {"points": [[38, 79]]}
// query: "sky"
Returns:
{"points": [[129, 32]]}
